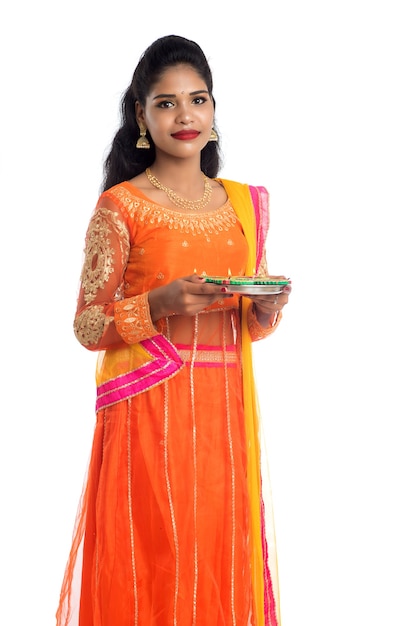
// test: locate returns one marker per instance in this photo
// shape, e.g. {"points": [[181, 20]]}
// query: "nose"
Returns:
{"points": [[184, 114]]}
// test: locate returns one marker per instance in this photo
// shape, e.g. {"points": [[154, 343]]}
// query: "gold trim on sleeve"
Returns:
{"points": [[89, 325], [133, 319]]}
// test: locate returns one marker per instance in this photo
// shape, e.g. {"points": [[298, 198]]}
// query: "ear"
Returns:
{"points": [[139, 112]]}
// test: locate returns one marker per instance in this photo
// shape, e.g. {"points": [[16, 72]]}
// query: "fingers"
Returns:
{"points": [[272, 303], [191, 294], [283, 297], [201, 287]]}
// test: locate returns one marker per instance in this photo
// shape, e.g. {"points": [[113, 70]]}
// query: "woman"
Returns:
{"points": [[171, 526]]}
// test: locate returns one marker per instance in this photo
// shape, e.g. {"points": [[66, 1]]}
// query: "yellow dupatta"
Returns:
{"points": [[240, 197]]}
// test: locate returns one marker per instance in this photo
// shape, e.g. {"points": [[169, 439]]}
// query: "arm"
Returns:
{"points": [[104, 318], [266, 312]]}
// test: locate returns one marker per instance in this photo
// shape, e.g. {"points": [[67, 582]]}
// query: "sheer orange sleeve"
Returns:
{"points": [[104, 318], [256, 330]]}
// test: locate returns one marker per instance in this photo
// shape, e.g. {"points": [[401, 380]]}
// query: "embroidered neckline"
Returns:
{"points": [[142, 209]]}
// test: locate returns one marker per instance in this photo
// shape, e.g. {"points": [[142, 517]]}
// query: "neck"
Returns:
{"points": [[180, 174]]}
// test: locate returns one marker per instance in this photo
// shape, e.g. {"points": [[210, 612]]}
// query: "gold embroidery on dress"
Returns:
{"points": [[89, 325], [99, 253], [132, 319], [201, 355], [145, 211], [131, 522]]}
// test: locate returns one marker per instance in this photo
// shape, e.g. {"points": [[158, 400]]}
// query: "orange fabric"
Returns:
{"points": [[162, 535]]}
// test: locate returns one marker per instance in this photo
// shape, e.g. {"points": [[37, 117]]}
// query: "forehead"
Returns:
{"points": [[178, 78]]}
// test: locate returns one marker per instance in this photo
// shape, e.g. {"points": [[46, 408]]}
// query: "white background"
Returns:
{"points": [[318, 102]]}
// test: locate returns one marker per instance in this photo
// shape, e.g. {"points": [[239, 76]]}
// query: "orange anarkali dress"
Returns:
{"points": [[171, 526]]}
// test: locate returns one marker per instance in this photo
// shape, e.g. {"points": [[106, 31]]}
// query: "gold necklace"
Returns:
{"points": [[182, 203]]}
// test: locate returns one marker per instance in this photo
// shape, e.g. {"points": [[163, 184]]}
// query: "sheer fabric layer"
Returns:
{"points": [[163, 532]]}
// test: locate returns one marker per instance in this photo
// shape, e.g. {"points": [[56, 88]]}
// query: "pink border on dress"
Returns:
{"points": [[164, 364]]}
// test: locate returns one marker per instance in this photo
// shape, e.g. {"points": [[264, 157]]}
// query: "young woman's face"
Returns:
{"points": [[178, 113]]}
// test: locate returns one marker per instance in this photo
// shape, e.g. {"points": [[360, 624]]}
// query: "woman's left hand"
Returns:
{"points": [[267, 305]]}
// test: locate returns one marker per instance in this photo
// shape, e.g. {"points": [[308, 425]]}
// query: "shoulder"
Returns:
{"points": [[124, 196], [258, 194], [118, 191], [242, 186]]}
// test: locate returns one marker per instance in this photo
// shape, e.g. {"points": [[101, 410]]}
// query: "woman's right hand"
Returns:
{"points": [[184, 296]]}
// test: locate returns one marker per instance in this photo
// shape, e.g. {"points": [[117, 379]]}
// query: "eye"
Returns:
{"points": [[200, 100], [165, 104]]}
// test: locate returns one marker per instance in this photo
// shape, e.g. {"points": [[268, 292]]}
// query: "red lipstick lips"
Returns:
{"points": [[186, 134]]}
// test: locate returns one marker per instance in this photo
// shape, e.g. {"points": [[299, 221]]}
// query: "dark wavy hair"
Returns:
{"points": [[124, 160]]}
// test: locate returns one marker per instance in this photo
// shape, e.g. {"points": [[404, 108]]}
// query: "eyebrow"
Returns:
{"points": [[173, 95]]}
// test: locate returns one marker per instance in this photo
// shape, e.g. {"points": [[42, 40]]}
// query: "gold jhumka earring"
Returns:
{"points": [[142, 142], [213, 135]]}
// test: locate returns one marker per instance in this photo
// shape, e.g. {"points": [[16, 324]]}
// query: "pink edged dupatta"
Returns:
{"points": [[126, 372]]}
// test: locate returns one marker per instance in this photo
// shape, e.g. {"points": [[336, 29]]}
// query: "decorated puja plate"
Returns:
{"points": [[250, 285]]}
